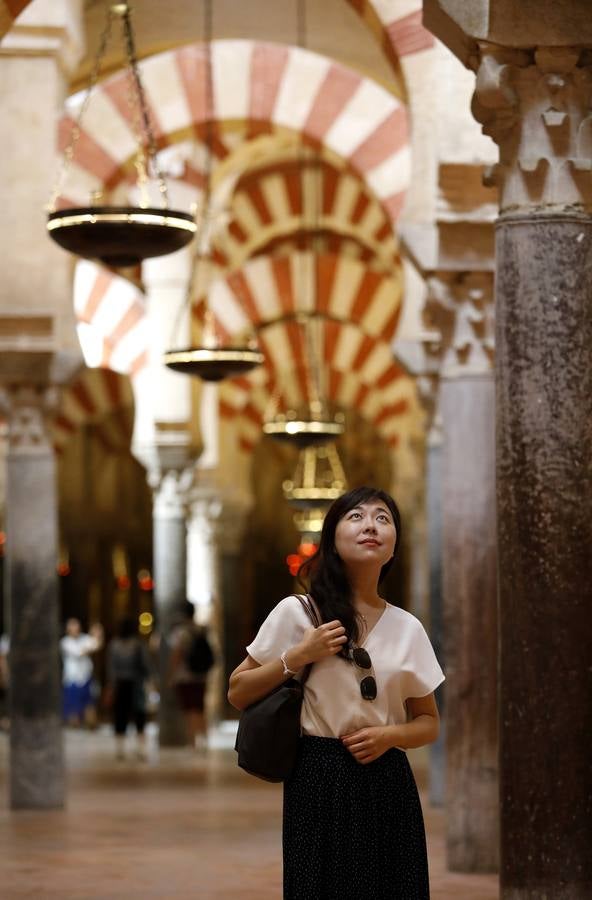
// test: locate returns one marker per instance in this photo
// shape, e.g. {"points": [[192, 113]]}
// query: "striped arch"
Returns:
{"points": [[99, 397], [359, 373], [9, 10], [261, 83], [267, 209], [111, 317], [271, 289], [397, 25]]}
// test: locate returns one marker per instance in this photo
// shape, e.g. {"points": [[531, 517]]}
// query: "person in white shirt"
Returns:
{"points": [[76, 649], [353, 824]]}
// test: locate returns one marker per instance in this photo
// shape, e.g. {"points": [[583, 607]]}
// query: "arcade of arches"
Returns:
{"points": [[400, 201]]}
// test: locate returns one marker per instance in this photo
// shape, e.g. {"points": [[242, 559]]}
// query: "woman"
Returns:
{"points": [[353, 825], [128, 667]]}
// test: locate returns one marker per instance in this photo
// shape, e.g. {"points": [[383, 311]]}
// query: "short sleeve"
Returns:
{"points": [[424, 674], [282, 629]]}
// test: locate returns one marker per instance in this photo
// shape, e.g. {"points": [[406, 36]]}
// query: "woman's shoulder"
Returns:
{"points": [[290, 608], [291, 604], [401, 618]]}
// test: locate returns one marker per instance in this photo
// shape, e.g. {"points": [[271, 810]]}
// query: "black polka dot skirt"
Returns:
{"points": [[352, 831]]}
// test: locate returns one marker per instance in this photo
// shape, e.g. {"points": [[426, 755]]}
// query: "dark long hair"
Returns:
{"points": [[324, 574]]}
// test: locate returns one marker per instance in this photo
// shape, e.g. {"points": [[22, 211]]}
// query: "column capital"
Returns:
{"points": [[29, 410], [170, 489], [205, 508], [537, 106], [459, 311]]}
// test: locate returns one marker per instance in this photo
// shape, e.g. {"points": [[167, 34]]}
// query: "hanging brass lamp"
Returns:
{"points": [[211, 361], [121, 235], [311, 424], [304, 431], [318, 480]]}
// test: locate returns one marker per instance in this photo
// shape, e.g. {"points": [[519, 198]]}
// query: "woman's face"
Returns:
{"points": [[366, 534]]}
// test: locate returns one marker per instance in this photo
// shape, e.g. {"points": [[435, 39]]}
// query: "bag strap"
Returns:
{"points": [[312, 612], [310, 609]]}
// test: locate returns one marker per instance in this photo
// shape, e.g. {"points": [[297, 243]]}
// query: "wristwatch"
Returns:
{"points": [[287, 670]]}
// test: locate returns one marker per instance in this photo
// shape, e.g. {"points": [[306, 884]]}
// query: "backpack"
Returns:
{"points": [[199, 658]]}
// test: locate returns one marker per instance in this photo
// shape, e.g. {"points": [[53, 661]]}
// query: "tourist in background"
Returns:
{"points": [[128, 667], [190, 661], [76, 648]]}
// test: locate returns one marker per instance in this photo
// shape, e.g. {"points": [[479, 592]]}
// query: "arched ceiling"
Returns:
{"points": [[333, 29], [270, 99], [255, 83], [99, 398], [273, 207], [276, 288]]}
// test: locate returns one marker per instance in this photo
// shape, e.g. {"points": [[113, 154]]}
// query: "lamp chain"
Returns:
{"points": [[201, 256], [68, 153], [142, 107]]}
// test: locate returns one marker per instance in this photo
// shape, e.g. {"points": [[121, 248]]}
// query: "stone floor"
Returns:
{"points": [[177, 826]]}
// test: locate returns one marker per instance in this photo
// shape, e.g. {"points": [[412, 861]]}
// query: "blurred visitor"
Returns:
{"points": [[4, 647], [128, 667], [190, 661], [76, 648]]}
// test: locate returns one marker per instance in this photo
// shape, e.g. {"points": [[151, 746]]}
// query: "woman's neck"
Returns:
{"points": [[364, 586]]}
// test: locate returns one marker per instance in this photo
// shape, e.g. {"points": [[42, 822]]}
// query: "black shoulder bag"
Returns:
{"points": [[269, 729]]}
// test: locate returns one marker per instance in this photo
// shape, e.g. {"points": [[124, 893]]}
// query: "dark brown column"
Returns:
{"points": [[544, 448], [470, 623], [434, 516], [535, 101], [459, 306]]}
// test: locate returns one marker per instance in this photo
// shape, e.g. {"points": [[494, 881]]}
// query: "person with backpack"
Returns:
{"points": [[190, 661], [128, 667]]}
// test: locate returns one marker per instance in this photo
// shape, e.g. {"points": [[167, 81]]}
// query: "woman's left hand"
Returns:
{"points": [[368, 744]]}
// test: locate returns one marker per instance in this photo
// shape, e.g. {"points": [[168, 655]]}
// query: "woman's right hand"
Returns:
{"points": [[326, 640]]}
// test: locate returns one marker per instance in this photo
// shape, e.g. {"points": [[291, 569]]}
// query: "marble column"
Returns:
{"points": [[537, 105], [203, 586], [459, 305], [434, 516], [170, 567], [534, 98], [231, 533], [36, 759]]}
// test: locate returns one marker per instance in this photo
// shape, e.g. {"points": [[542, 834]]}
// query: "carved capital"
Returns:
{"points": [[459, 311], [537, 107], [205, 510], [170, 489], [28, 410]]}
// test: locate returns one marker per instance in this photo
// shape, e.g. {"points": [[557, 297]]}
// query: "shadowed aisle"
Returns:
{"points": [[177, 826]]}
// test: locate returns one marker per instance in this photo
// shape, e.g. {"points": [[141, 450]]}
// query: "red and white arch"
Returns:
{"points": [[272, 289], [268, 214], [98, 397], [261, 83], [111, 320]]}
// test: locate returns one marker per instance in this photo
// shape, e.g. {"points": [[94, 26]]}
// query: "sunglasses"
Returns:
{"points": [[368, 684]]}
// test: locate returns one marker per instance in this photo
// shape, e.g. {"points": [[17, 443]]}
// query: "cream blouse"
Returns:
{"points": [[403, 663]]}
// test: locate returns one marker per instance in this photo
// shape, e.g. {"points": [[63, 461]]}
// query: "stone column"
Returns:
{"points": [[537, 105], [203, 587], [534, 97], [170, 567], [36, 758], [231, 531], [459, 305], [434, 516]]}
